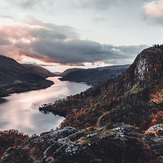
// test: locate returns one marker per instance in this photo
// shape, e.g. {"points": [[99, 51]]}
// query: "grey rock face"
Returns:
{"points": [[117, 145], [155, 127], [141, 68]]}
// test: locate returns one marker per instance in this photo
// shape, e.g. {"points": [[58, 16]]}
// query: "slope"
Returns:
{"points": [[15, 78], [10, 70], [93, 76], [134, 97], [38, 70]]}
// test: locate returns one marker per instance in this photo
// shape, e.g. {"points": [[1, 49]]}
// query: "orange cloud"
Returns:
{"points": [[154, 8]]}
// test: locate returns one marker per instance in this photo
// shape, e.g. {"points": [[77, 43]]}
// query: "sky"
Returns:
{"points": [[59, 34]]}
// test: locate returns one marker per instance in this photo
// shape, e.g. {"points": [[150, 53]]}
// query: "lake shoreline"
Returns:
{"points": [[48, 108], [20, 110], [24, 87], [2, 100]]}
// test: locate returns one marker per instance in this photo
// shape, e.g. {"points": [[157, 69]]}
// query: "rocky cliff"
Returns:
{"points": [[122, 143]]}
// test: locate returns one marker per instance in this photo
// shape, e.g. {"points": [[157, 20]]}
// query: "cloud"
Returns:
{"points": [[154, 8], [104, 4], [97, 4], [24, 3], [58, 44], [4, 42], [98, 18], [154, 11]]}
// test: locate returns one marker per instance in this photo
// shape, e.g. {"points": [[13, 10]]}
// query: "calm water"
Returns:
{"points": [[21, 110]]}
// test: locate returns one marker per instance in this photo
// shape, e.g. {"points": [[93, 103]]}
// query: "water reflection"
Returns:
{"points": [[21, 110]]}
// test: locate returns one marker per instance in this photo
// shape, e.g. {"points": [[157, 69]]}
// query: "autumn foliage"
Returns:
{"points": [[134, 97], [11, 138]]}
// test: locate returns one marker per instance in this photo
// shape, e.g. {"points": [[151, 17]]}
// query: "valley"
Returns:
{"points": [[119, 120]]}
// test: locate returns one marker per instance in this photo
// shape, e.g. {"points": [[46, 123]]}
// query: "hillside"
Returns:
{"points": [[93, 76], [10, 70], [118, 121], [38, 70], [134, 97], [15, 77]]}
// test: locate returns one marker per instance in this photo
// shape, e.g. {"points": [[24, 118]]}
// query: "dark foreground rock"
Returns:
{"points": [[69, 145]]}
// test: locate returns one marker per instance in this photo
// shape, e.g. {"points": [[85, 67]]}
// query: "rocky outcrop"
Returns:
{"points": [[147, 65], [124, 143], [154, 137]]}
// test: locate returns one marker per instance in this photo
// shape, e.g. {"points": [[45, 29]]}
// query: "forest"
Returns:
{"points": [[125, 98]]}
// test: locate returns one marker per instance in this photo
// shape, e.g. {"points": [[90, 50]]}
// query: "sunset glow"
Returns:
{"points": [[99, 34]]}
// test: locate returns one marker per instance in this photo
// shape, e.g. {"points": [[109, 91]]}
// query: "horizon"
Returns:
{"points": [[61, 35]]}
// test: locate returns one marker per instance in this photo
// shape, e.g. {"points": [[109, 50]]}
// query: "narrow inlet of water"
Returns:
{"points": [[21, 112]]}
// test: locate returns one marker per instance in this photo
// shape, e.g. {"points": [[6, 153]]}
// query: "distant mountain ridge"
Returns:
{"points": [[16, 77], [93, 76], [11, 70], [39, 70]]}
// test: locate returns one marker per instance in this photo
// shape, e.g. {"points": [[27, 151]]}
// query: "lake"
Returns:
{"points": [[21, 109]]}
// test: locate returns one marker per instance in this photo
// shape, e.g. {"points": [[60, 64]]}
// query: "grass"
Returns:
{"points": [[93, 139], [17, 82], [90, 130], [2, 85], [9, 89], [97, 138], [134, 90]]}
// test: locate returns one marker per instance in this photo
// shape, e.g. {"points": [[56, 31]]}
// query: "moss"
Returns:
{"points": [[37, 161], [2, 85], [109, 125], [9, 89], [89, 130], [93, 139], [106, 133], [128, 126], [17, 81]]}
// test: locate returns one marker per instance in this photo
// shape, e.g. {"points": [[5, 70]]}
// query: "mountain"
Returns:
{"points": [[10, 70], [118, 121], [64, 73], [15, 77], [134, 97], [38, 70], [93, 76]]}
